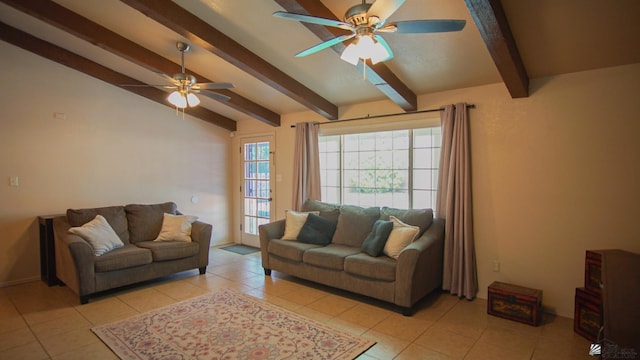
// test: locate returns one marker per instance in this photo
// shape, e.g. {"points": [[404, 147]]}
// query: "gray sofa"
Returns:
{"points": [[139, 259], [403, 281]]}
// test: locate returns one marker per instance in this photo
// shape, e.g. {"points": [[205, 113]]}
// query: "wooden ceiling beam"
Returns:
{"points": [[204, 35], [79, 63], [492, 22], [98, 35], [379, 75]]}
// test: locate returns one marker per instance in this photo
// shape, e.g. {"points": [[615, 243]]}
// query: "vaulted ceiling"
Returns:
{"points": [[239, 41]]}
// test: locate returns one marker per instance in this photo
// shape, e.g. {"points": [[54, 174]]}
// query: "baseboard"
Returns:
{"points": [[18, 282]]}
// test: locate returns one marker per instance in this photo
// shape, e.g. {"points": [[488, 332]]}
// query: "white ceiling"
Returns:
{"points": [[553, 37]]}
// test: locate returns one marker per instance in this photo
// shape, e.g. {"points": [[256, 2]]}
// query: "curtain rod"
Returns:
{"points": [[469, 106]]}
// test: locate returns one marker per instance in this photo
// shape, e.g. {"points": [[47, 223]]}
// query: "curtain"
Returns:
{"points": [[453, 203], [306, 166]]}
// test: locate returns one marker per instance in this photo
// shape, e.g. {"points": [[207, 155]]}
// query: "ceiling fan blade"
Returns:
{"points": [[384, 8], [324, 45], [384, 43], [214, 95], [423, 26], [213, 86], [145, 85], [313, 20]]}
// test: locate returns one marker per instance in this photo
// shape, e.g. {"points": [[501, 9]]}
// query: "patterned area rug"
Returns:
{"points": [[227, 325]]}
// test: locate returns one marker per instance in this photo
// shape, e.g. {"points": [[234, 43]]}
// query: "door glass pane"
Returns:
{"points": [[249, 151], [257, 186]]}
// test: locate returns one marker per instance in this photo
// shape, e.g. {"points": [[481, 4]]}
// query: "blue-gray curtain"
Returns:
{"points": [[454, 204]]}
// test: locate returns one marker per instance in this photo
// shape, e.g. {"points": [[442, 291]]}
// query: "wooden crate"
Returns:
{"points": [[592, 271], [515, 302], [587, 317]]}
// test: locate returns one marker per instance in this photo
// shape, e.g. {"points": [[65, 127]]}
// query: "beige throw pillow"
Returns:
{"points": [[99, 234], [294, 220], [176, 228], [401, 236]]}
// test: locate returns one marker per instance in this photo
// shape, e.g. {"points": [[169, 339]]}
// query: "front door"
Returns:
{"points": [[256, 187]]}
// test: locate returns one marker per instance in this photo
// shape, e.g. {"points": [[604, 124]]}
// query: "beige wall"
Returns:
{"points": [[554, 174], [114, 147]]}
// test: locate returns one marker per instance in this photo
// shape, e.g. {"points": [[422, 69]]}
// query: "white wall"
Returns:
{"points": [[113, 148], [553, 174]]}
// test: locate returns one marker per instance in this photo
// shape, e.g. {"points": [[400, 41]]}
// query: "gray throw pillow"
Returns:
{"points": [[317, 230], [374, 243]]}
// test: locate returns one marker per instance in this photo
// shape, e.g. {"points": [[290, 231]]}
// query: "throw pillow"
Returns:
{"points": [[317, 230], [176, 228], [294, 220], [99, 234], [401, 236], [377, 238]]}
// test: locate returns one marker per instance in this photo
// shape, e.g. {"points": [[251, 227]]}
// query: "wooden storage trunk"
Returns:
{"points": [[515, 302], [587, 317]]}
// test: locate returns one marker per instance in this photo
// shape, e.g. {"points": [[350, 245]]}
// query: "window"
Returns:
{"points": [[397, 168]]}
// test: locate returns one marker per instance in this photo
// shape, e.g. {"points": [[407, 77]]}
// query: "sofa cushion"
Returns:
{"points": [[317, 230], [331, 256], [122, 258], [176, 228], [421, 218], [145, 221], [115, 215], [401, 236], [354, 224], [327, 211], [378, 268], [170, 250], [374, 243], [99, 234], [287, 249], [294, 221]]}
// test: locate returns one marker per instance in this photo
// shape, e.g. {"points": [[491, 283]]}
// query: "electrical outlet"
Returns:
{"points": [[14, 181], [496, 266]]}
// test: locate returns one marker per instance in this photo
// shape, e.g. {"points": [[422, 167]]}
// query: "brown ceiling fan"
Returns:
{"points": [[365, 21], [185, 85]]}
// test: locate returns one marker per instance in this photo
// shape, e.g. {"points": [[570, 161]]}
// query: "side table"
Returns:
{"points": [[47, 250]]}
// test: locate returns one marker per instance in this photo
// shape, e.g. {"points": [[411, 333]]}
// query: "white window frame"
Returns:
{"points": [[411, 126]]}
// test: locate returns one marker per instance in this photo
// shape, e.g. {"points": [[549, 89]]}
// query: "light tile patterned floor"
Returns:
{"points": [[40, 322]]}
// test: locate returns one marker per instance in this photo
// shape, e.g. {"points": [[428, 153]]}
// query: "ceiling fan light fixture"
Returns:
{"points": [[351, 54], [192, 100], [365, 47], [177, 99]]}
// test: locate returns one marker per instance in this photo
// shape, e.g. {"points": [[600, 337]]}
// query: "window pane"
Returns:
{"points": [[384, 160], [264, 209], [263, 170], [250, 207], [250, 170], [250, 151], [376, 168], [350, 143], [351, 160], [263, 189], [250, 225], [263, 151], [250, 188]]}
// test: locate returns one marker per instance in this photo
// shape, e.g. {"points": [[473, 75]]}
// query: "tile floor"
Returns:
{"points": [[40, 322]]}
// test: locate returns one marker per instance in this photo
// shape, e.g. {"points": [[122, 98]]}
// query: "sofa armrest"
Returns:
{"points": [[419, 267], [75, 262], [201, 233], [267, 232]]}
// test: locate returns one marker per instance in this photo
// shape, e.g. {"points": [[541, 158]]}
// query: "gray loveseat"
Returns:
{"points": [[139, 259], [403, 281]]}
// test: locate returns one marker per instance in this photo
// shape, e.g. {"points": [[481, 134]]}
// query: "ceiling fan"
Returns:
{"points": [[365, 21], [185, 85]]}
